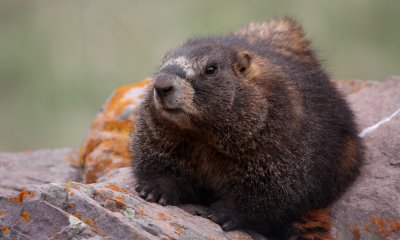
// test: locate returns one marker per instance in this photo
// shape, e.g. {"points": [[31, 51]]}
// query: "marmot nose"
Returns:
{"points": [[164, 86]]}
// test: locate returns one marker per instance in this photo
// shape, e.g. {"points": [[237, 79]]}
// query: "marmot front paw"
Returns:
{"points": [[225, 220], [154, 193]]}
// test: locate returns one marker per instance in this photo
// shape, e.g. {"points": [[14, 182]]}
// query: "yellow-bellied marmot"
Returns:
{"points": [[250, 124]]}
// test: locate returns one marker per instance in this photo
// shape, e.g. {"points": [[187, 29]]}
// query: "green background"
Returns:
{"points": [[60, 60]]}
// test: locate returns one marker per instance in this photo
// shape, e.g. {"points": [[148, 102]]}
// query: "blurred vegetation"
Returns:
{"points": [[60, 60]]}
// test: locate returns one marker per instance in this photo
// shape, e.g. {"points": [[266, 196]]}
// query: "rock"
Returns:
{"points": [[376, 102], [373, 202], [99, 211], [119, 175], [348, 87], [110, 208], [106, 145], [19, 170]]}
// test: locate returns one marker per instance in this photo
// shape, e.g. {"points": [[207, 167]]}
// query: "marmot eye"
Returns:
{"points": [[211, 70]]}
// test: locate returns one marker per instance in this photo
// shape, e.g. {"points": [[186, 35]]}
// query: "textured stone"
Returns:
{"points": [[99, 211], [110, 208], [106, 145], [19, 170], [376, 102], [373, 202], [348, 87]]}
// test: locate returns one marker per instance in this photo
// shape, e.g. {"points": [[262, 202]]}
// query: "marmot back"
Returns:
{"points": [[251, 125]]}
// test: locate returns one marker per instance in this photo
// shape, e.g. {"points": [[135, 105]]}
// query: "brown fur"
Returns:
{"points": [[250, 125], [285, 36], [350, 154]]}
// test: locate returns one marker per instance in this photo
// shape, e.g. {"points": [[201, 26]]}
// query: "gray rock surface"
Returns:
{"points": [[375, 102], [19, 170], [99, 211], [373, 202], [110, 209]]}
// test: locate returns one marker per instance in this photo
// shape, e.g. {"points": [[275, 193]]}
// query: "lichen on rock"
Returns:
{"points": [[106, 145], [59, 206]]}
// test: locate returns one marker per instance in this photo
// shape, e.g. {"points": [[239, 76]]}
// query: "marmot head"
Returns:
{"points": [[218, 80], [199, 80]]}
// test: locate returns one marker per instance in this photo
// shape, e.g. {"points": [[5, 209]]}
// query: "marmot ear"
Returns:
{"points": [[243, 62]]}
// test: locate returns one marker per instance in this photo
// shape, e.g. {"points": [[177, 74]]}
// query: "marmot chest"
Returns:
{"points": [[205, 166]]}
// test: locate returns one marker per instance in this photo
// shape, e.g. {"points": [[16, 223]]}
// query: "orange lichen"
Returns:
{"points": [[162, 216], [73, 159], [68, 189], [395, 226], [171, 214], [116, 188], [77, 215], [90, 177], [118, 126], [106, 146], [121, 150], [3, 212], [118, 96], [358, 88], [356, 231], [178, 228], [5, 230], [25, 216], [119, 201], [91, 224], [91, 144], [21, 197], [100, 165], [116, 99], [141, 212], [383, 227], [88, 221], [350, 86], [72, 185], [71, 205], [367, 227]]}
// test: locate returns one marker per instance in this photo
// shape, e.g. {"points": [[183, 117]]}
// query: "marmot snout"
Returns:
{"points": [[250, 124], [172, 95]]}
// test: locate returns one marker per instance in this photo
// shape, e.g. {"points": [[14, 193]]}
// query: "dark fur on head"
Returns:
{"points": [[252, 125]]}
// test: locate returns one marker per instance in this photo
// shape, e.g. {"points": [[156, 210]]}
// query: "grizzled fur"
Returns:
{"points": [[251, 125]]}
